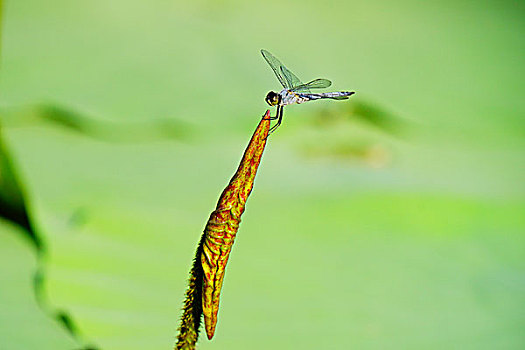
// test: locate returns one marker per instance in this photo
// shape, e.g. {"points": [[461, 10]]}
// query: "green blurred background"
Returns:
{"points": [[394, 220]]}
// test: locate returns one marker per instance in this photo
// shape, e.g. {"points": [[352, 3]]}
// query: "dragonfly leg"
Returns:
{"points": [[279, 117], [276, 115]]}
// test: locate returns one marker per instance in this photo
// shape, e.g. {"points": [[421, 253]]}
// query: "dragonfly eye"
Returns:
{"points": [[272, 98]]}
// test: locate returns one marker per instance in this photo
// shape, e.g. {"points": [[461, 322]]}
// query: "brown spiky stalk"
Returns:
{"points": [[192, 310], [212, 254]]}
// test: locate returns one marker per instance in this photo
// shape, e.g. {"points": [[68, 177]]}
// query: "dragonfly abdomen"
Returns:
{"points": [[336, 95]]}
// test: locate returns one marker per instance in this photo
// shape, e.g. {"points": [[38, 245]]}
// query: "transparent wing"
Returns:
{"points": [[276, 66], [314, 84], [291, 78]]}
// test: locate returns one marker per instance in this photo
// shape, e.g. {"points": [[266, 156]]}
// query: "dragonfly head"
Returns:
{"points": [[273, 98]]}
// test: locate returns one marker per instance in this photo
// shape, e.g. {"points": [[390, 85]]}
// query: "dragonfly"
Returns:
{"points": [[295, 91]]}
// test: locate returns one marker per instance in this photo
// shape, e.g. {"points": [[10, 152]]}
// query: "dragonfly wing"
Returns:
{"points": [[276, 66], [314, 84], [291, 78]]}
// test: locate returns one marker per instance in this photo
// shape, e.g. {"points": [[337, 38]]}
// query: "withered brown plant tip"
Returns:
{"points": [[207, 273]]}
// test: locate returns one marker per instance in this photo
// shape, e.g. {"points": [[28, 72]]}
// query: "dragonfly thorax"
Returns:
{"points": [[273, 98]]}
